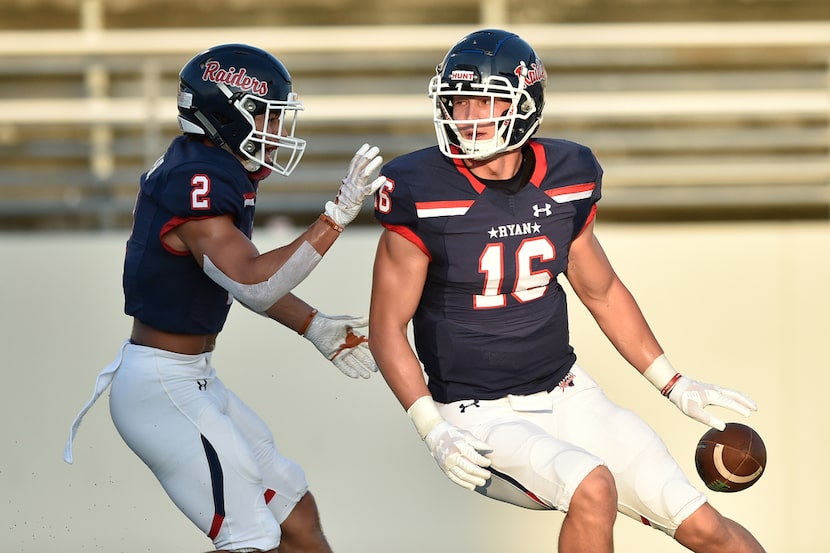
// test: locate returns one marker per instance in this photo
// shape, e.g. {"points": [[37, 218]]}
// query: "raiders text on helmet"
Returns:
{"points": [[224, 88], [494, 64]]}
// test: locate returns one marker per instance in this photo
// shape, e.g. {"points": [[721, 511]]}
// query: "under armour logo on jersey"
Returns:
{"points": [[538, 211], [202, 384], [463, 408]]}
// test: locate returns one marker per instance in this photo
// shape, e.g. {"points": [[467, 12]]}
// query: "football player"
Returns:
{"points": [[188, 257], [476, 232]]}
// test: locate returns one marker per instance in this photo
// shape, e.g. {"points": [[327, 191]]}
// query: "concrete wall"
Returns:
{"points": [[744, 306]]}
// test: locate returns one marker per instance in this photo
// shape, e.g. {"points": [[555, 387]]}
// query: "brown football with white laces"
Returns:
{"points": [[730, 460]]}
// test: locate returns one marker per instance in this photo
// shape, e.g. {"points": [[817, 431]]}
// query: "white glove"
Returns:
{"points": [[691, 396], [354, 187], [455, 450], [335, 338]]}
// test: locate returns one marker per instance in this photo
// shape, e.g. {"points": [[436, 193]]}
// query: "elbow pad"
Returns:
{"points": [[262, 295]]}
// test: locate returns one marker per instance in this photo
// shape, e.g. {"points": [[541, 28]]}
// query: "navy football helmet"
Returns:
{"points": [[494, 64], [223, 89]]}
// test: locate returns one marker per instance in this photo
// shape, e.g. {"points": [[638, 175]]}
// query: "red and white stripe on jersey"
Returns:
{"points": [[443, 208], [572, 192]]}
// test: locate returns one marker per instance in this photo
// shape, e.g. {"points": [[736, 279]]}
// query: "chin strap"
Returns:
{"points": [[210, 129], [250, 165]]}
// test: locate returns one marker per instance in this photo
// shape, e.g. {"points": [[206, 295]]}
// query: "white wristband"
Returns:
{"points": [[662, 375], [425, 415]]}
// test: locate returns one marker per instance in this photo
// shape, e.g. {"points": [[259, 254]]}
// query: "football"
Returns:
{"points": [[730, 460]]}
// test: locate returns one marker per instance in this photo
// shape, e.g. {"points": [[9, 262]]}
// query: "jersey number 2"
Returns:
{"points": [[200, 188], [529, 284]]}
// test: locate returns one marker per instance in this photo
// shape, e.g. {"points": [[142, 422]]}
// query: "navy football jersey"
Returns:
{"points": [[167, 289], [492, 319]]}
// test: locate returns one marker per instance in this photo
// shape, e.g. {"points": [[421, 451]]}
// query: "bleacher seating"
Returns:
{"points": [[703, 120]]}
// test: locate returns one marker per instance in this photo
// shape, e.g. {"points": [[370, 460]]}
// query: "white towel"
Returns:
{"points": [[101, 384]]}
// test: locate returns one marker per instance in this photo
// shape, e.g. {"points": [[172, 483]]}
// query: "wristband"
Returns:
{"points": [[424, 415], [330, 222], [307, 322], [662, 375], [670, 385]]}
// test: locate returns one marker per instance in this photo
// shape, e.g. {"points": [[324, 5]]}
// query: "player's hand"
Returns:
{"points": [[457, 452], [356, 185], [335, 337], [691, 397]]}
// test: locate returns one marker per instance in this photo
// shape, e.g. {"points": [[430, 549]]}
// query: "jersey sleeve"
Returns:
{"points": [[579, 181], [596, 169], [588, 212], [190, 191], [395, 206]]}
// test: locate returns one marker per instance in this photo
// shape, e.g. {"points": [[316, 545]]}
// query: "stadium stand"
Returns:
{"points": [[706, 120]]}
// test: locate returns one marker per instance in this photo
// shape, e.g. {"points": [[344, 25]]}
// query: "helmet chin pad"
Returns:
{"points": [[482, 148], [250, 165]]}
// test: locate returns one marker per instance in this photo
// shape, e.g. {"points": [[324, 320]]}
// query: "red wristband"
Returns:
{"points": [[330, 222], [670, 384], [307, 322]]}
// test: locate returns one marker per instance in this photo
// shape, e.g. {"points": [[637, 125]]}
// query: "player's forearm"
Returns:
{"points": [[249, 266], [405, 379], [399, 366], [621, 320], [268, 277], [290, 311], [320, 235]]}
